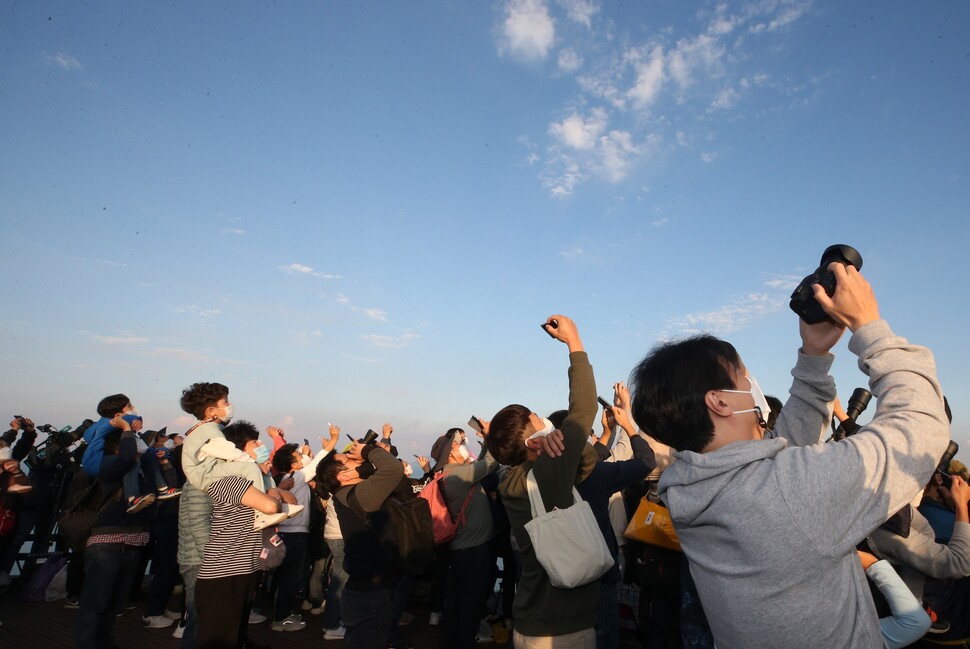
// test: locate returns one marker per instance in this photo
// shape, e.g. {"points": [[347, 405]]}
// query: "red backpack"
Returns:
{"points": [[444, 526]]}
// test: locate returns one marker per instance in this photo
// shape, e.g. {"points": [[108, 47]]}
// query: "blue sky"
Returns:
{"points": [[359, 213]]}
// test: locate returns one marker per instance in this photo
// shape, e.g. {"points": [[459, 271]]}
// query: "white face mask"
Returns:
{"points": [[547, 428], [761, 407], [463, 452], [170, 444], [228, 416]]}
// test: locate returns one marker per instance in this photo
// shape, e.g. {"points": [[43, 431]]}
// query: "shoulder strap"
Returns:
{"points": [[535, 498]]}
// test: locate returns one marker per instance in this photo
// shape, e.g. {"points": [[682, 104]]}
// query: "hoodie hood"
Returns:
{"points": [[689, 485]]}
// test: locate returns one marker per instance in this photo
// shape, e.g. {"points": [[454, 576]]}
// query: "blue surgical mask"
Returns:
{"points": [[262, 454], [761, 407]]}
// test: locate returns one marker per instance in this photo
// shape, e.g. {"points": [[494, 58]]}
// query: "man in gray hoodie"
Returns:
{"points": [[770, 522]]}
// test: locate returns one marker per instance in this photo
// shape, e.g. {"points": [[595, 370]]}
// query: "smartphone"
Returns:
{"points": [[476, 423], [606, 404], [552, 323], [306, 442]]}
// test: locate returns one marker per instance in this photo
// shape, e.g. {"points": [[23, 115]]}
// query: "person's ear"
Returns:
{"points": [[715, 405]]}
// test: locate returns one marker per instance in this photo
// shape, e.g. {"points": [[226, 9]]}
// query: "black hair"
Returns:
{"points": [[505, 435], [199, 396], [558, 418], [776, 405], [669, 386], [111, 406], [283, 458], [326, 476], [240, 433]]}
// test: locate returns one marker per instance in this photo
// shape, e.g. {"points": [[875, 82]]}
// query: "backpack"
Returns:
{"points": [[413, 531], [444, 526], [81, 511]]}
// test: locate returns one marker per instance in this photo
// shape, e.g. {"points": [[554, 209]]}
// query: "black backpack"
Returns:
{"points": [[410, 518]]}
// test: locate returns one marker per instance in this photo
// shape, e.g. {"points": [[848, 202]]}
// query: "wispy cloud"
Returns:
{"points": [[528, 30], [196, 310], [783, 282], [179, 354], [391, 342], [64, 61], [121, 340], [373, 314], [637, 93], [572, 253], [233, 231], [726, 319], [661, 222], [300, 269]]}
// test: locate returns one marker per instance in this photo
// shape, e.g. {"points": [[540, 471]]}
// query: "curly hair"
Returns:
{"points": [[199, 396]]}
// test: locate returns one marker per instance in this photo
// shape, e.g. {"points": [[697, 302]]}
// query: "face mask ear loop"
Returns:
{"points": [[761, 420]]}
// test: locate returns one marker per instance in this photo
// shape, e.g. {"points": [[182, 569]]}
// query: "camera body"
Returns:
{"points": [[369, 438], [803, 300]]}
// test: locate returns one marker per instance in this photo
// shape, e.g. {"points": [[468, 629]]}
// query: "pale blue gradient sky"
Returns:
{"points": [[359, 214]]}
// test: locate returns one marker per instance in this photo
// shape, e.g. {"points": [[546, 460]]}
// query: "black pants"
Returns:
{"points": [[223, 606]]}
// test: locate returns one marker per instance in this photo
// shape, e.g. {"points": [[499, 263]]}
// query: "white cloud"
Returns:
{"points": [[616, 152], [287, 422], [572, 253], [708, 157], [783, 282], [569, 60], [233, 231], [374, 314], [650, 77], [180, 354], [661, 222], [391, 342], [121, 340], [64, 61], [727, 319], [726, 98], [580, 133], [528, 30], [300, 269], [580, 11], [196, 310], [562, 176], [340, 298]]}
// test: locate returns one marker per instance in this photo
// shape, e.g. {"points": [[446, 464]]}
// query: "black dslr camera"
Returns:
{"points": [[803, 300], [943, 469], [857, 404]]}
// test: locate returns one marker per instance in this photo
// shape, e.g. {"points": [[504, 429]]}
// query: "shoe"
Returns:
{"points": [[173, 615], [937, 623], [71, 602], [19, 488], [317, 610], [262, 521], [291, 623], [485, 635], [435, 618], [169, 493], [138, 503], [292, 510], [179, 630], [255, 617], [307, 605], [406, 619], [157, 621], [334, 634]]}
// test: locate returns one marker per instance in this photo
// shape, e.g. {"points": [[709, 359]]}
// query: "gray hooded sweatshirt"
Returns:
{"points": [[770, 526]]}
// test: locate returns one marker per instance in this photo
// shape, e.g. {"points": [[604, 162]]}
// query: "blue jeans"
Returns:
{"points": [[367, 616], [110, 568], [190, 575], [338, 577], [291, 574], [607, 618]]}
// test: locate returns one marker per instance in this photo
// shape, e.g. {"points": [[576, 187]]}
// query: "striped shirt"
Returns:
{"points": [[233, 547]]}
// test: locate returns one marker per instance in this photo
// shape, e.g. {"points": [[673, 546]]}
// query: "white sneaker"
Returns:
{"points": [[334, 634], [435, 618], [19, 488], [292, 510], [179, 630], [262, 521], [255, 617], [157, 621], [317, 610], [291, 623]]}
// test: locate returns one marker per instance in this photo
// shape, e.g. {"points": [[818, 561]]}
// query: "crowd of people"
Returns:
{"points": [[781, 538]]}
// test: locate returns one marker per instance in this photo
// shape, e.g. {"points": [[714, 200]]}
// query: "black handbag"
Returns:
{"points": [[75, 524], [274, 550]]}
